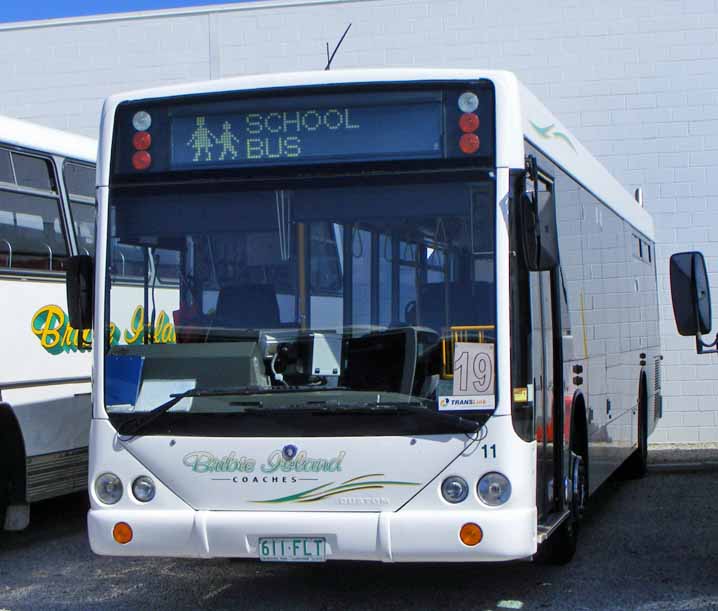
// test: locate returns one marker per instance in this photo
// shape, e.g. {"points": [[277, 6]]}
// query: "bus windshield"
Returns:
{"points": [[361, 290]]}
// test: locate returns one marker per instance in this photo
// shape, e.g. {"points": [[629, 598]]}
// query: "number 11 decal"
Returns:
{"points": [[489, 450]]}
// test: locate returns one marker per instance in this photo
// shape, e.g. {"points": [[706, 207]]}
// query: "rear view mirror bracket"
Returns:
{"points": [[704, 348], [701, 346]]}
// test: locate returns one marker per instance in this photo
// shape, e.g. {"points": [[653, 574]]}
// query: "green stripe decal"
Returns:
{"points": [[548, 132], [351, 485]]}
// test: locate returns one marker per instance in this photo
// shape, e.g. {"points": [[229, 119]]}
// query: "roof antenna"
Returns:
{"points": [[330, 58]]}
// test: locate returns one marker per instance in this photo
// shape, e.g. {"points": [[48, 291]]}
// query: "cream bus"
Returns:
{"points": [[47, 214], [415, 321]]}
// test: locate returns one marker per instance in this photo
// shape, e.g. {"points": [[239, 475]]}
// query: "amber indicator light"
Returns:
{"points": [[471, 534], [122, 533]]}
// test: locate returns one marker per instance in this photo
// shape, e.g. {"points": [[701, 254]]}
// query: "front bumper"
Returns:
{"points": [[406, 536]]}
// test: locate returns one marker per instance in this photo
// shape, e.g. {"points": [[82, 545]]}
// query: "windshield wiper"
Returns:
{"points": [[227, 391], [386, 408], [140, 421]]}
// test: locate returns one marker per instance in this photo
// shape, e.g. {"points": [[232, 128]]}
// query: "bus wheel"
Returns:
{"points": [[4, 488], [561, 545], [637, 464]]}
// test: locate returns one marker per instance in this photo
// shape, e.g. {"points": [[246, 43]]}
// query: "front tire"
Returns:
{"points": [[560, 548], [4, 489]]}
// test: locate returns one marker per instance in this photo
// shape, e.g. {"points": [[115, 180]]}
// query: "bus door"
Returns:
{"points": [[546, 366]]}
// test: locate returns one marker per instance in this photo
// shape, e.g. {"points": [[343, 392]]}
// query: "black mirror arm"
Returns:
{"points": [[706, 348]]}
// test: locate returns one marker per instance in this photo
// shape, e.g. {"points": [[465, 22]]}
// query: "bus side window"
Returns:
{"points": [[167, 265], [6, 173], [80, 187], [32, 234], [33, 172]]}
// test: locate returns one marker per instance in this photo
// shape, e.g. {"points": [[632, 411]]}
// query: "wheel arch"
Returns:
{"points": [[12, 452]]}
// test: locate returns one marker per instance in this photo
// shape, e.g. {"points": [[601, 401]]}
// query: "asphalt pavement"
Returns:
{"points": [[645, 545]]}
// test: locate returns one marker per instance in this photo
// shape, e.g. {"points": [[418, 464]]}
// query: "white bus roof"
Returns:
{"points": [[39, 138], [519, 115]]}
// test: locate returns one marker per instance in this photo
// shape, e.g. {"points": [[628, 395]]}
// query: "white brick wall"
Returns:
{"points": [[637, 81]]}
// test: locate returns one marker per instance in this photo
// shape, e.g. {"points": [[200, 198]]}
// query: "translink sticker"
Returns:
{"points": [[466, 402]]}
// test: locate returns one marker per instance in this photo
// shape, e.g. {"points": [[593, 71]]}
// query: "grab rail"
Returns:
{"points": [[9, 250]]}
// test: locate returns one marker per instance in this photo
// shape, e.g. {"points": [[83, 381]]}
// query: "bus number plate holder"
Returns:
{"points": [[292, 549]]}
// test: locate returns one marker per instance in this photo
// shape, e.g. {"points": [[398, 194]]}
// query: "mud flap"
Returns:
{"points": [[17, 517]]}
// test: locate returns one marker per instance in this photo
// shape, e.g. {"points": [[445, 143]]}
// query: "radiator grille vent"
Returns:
{"points": [[657, 399]]}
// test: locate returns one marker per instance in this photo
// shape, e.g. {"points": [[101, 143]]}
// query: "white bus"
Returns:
{"points": [[416, 321], [47, 214]]}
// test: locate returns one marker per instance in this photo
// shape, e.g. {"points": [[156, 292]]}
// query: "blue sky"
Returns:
{"points": [[26, 10]]}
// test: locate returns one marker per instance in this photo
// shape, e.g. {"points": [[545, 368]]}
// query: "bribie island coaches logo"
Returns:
{"points": [[277, 462], [50, 324], [289, 451], [273, 471]]}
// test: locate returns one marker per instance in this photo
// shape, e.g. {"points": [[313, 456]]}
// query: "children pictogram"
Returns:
{"points": [[226, 140], [201, 141]]}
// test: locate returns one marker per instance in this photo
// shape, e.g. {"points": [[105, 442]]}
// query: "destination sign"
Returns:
{"points": [[293, 133]]}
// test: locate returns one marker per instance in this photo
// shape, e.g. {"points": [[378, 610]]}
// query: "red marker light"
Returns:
{"points": [[469, 143], [141, 160], [141, 141], [469, 122]]}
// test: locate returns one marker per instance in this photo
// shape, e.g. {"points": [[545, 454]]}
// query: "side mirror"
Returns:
{"points": [[690, 293], [538, 228], [80, 291]]}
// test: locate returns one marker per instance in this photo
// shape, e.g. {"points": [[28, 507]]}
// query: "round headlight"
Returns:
{"points": [[494, 489], [143, 488], [454, 489], [141, 121], [108, 488], [468, 102]]}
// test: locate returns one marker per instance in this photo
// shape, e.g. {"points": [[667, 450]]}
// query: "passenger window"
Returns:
{"points": [[80, 186], [6, 174], [127, 262], [79, 179], [33, 172], [167, 264], [83, 218], [31, 233]]}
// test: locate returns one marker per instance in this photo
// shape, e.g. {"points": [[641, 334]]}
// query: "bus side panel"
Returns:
{"points": [[39, 353], [40, 356], [611, 325]]}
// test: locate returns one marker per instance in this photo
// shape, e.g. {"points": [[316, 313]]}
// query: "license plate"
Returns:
{"points": [[292, 549]]}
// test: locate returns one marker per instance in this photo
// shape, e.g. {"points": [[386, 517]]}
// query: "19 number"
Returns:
{"points": [[481, 369]]}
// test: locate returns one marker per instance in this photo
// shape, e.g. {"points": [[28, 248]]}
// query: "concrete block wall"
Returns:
{"points": [[637, 82]]}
